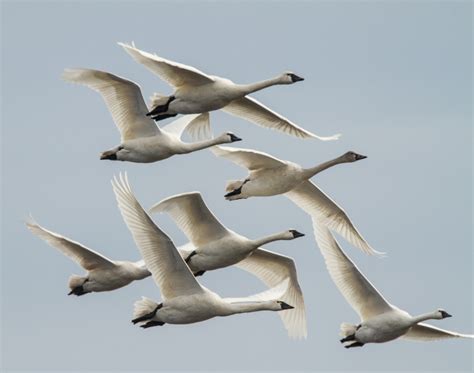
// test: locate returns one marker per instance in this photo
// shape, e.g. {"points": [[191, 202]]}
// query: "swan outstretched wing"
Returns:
{"points": [[85, 257], [196, 125], [247, 158], [358, 291], [425, 332], [316, 203], [174, 73], [123, 99], [275, 293], [162, 259], [193, 217], [272, 268], [255, 112]]}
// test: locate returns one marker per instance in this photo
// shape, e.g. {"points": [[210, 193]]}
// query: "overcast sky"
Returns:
{"points": [[393, 77]]}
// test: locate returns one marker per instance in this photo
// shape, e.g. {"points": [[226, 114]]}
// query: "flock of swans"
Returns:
{"points": [[175, 270]]}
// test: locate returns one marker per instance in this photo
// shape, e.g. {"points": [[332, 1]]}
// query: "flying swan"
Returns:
{"points": [[214, 246], [380, 320], [270, 176], [102, 274], [142, 141], [197, 92], [185, 300]]}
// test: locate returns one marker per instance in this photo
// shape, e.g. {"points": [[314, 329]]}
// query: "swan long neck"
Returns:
{"points": [[310, 172], [257, 86], [245, 307], [273, 237], [424, 317], [199, 145]]}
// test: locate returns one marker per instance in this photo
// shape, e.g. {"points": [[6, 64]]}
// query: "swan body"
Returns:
{"points": [[270, 176], [102, 274], [213, 246], [197, 92], [380, 320], [185, 300], [142, 141]]}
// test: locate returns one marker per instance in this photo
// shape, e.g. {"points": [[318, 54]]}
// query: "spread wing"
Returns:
{"points": [[196, 125], [247, 158], [272, 268], [255, 112], [162, 259], [174, 73], [358, 291], [85, 257], [316, 203], [425, 332], [193, 217], [123, 99]]}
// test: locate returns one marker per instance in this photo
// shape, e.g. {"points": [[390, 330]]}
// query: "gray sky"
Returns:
{"points": [[393, 77]]}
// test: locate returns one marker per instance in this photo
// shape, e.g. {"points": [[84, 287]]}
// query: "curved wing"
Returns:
{"points": [[86, 258], [162, 259], [174, 73], [255, 112], [123, 99], [272, 268], [316, 203], [358, 291], [247, 158], [193, 217], [425, 332], [275, 293], [196, 125]]}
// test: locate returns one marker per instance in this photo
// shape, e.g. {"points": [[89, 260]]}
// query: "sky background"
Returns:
{"points": [[393, 77]]}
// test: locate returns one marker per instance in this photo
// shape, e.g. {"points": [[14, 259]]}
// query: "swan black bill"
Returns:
{"points": [[285, 306], [360, 156], [296, 234], [234, 138], [295, 78]]}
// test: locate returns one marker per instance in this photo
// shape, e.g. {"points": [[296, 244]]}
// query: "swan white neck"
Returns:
{"points": [[198, 145], [425, 316], [244, 307], [254, 87], [310, 172], [271, 238]]}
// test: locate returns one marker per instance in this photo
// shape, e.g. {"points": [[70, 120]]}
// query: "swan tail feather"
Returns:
{"points": [[143, 307], [347, 329], [157, 100], [75, 281]]}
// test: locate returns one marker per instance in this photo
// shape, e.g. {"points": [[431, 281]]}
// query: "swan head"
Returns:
{"points": [[293, 233], [289, 77], [352, 157], [230, 137], [441, 314], [283, 306]]}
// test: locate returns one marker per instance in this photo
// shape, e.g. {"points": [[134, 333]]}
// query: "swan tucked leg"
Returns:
{"points": [[199, 273], [150, 324], [235, 188], [159, 109], [163, 116], [356, 344], [76, 284], [147, 316]]}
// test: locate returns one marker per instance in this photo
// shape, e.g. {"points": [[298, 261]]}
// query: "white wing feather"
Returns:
{"points": [[318, 205], [193, 217], [274, 293], [272, 268], [162, 259], [196, 125], [255, 112], [123, 99], [247, 158], [358, 291], [425, 332]]}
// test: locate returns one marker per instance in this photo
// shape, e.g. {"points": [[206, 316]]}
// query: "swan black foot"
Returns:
{"points": [[78, 290], [356, 344], [163, 116], [234, 192], [150, 324], [148, 315], [160, 108], [348, 338], [199, 273]]}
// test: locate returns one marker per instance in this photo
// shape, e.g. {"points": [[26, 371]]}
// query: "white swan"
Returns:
{"points": [[185, 301], [380, 320], [142, 140], [102, 274], [197, 92], [214, 246], [271, 176]]}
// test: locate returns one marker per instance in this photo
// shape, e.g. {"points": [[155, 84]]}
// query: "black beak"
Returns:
{"points": [[297, 234], [234, 138], [445, 314], [295, 78], [360, 156], [286, 306]]}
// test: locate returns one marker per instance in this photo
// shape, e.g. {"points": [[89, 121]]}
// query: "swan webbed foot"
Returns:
{"points": [[78, 290], [148, 315], [162, 116], [348, 338], [150, 324], [160, 108], [199, 273], [355, 344]]}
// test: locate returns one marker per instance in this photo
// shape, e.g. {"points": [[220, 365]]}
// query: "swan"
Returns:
{"points": [[214, 246], [380, 320], [185, 300], [197, 92], [270, 176], [102, 274], [142, 141]]}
